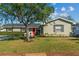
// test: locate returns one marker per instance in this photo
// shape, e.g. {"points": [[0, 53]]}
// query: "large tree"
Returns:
{"points": [[27, 13]]}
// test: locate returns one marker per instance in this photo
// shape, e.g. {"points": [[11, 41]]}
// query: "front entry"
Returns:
{"points": [[33, 31]]}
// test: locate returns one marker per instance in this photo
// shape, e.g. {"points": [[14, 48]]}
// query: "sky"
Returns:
{"points": [[71, 9]]}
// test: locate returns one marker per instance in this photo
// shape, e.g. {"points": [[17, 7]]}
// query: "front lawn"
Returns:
{"points": [[41, 44]]}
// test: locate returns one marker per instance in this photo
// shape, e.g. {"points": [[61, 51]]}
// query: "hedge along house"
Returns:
{"points": [[34, 28], [58, 27]]}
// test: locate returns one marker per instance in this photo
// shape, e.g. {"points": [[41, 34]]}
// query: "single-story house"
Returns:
{"points": [[35, 28], [58, 27]]}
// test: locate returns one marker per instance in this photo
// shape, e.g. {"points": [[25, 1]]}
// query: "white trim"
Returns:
{"points": [[63, 19]]}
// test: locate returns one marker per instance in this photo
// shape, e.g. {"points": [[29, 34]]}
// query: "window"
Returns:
{"points": [[58, 28]]}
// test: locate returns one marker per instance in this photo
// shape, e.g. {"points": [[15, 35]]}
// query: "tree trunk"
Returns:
{"points": [[27, 37], [12, 25]]}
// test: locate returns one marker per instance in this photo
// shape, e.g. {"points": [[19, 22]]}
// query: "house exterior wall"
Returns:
{"points": [[10, 30], [16, 30], [3, 30], [48, 29]]}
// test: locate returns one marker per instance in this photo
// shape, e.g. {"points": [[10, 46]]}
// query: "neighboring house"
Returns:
{"points": [[58, 27], [76, 29], [35, 28]]}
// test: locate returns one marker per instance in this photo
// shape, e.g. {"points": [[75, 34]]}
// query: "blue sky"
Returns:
{"points": [[71, 9]]}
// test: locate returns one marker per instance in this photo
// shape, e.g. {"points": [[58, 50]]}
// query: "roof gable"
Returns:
{"points": [[62, 19]]}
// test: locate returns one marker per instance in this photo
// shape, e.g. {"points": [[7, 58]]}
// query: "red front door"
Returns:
{"points": [[34, 31]]}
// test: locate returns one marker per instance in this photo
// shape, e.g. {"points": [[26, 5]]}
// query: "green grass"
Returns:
{"points": [[11, 33], [40, 44]]}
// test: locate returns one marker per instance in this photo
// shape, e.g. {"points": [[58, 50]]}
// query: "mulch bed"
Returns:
{"points": [[41, 54]]}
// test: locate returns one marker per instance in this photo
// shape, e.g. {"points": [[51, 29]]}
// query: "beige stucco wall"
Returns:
{"points": [[49, 28]]}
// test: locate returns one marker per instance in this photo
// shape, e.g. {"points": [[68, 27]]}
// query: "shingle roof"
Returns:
{"points": [[20, 26]]}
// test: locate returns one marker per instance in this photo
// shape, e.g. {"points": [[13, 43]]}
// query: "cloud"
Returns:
{"points": [[63, 9], [64, 14], [71, 8], [53, 15], [56, 9], [56, 13]]}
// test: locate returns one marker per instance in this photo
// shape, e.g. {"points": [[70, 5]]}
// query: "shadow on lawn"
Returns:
{"points": [[10, 37]]}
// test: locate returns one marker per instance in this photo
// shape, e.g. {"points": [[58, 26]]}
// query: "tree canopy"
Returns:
{"points": [[27, 13]]}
